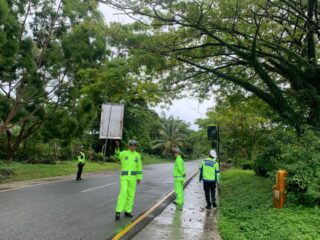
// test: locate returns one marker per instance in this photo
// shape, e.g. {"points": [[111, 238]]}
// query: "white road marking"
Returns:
{"points": [[34, 185], [87, 190]]}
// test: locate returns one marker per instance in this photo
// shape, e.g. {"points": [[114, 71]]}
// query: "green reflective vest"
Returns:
{"points": [[131, 165], [81, 158], [179, 171], [209, 170]]}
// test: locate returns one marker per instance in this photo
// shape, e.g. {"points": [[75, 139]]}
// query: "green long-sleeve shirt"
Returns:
{"points": [[179, 171], [131, 165]]}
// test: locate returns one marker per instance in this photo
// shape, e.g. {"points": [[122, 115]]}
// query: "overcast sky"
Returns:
{"points": [[187, 109]]}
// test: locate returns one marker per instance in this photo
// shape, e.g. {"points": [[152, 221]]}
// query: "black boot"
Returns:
{"points": [[117, 215], [214, 204], [208, 207], [128, 215]]}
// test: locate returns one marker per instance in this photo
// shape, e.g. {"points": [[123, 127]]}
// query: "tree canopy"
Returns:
{"points": [[56, 69], [267, 47], [171, 135]]}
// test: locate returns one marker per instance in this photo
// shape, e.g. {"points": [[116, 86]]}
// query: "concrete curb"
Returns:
{"points": [[149, 214]]}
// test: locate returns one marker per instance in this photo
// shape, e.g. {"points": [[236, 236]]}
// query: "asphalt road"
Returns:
{"points": [[77, 210]]}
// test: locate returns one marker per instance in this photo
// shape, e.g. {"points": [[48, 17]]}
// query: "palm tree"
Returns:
{"points": [[171, 135]]}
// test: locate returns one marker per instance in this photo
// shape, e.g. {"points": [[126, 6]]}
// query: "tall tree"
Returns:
{"points": [[38, 62], [171, 135], [267, 47], [244, 124]]}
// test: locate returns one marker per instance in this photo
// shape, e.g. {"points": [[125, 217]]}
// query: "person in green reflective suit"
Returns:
{"points": [[179, 174], [130, 176]]}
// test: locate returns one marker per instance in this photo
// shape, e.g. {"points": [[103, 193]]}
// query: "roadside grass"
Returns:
{"points": [[152, 159], [23, 171], [246, 211]]}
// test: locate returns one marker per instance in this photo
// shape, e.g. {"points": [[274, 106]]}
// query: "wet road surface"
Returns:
{"points": [[192, 222], [70, 209]]}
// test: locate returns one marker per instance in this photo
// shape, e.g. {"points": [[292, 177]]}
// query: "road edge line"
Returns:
{"points": [[128, 232]]}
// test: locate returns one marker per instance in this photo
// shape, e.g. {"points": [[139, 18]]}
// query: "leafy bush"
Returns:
{"points": [[264, 161], [299, 156], [90, 154], [6, 173], [112, 159], [247, 165], [246, 211], [99, 157], [41, 161], [301, 159]]}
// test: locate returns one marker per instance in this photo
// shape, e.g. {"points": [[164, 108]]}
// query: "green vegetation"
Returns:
{"points": [[57, 67], [253, 139], [299, 156], [246, 211], [152, 159], [264, 82], [16, 171], [227, 46], [170, 135], [60, 61], [244, 125], [23, 171]]}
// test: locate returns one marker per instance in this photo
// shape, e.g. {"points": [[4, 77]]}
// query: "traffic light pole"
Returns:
{"points": [[218, 147], [214, 136]]}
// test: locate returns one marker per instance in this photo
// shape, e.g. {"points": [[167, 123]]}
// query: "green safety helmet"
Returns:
{"points": [[132, 143]]}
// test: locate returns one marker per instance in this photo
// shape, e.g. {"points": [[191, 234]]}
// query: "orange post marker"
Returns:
{"points": [[279, 190]]}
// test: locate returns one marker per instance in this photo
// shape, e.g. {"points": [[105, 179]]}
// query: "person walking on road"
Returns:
{"points": [[210, 174], [130, 175], [81, 163], [179, 174]]}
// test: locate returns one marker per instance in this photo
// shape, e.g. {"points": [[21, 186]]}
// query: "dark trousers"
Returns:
{"points": [[80, 167], [210, 192]]}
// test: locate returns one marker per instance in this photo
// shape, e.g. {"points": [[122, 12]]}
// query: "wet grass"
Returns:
{"points": [[246, 211]]}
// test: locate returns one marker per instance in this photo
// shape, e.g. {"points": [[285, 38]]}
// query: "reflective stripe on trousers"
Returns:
{"points": [[132, 173]]}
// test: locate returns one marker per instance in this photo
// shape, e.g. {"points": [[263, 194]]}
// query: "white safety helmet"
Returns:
{"points": [[213, 153]]}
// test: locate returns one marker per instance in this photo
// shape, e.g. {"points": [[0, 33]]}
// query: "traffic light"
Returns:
{"points": [[212, 132]]}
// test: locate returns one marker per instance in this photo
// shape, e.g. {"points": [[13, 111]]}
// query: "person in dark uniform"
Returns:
{"points": [[81, 163], [210, 175]]}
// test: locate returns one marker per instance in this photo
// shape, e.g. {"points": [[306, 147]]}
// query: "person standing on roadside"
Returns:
{"points": [[179, 175], [210, 175], [81, 163], [130, 175]]}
